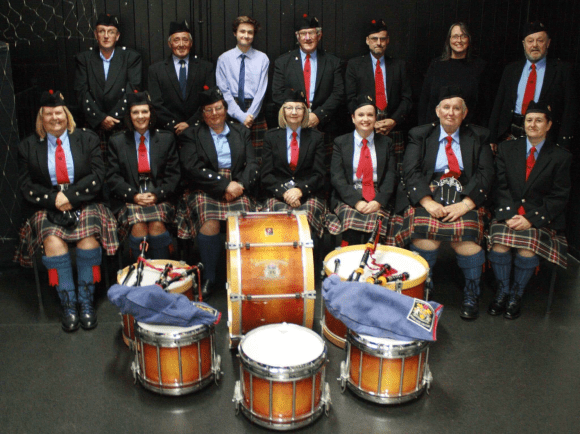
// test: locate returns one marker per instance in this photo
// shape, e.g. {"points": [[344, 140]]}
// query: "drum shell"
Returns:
{"points": [[280, 278], [386, 373], [175, 363]]}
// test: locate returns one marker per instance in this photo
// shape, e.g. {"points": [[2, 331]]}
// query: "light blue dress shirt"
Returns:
{"points": [[177, 65], [256, 82], [313, 69], [222, 147], [356, 156], [70, 167], [538, 148], [106, 62], [289, 139], [138, 141], [441, 163], [540, 73]]}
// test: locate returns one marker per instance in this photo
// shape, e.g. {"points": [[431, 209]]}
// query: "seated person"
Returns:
{"points": [[61, 172], [362, 176], [533, 185], [218, 160], [447, 175], [293, 164], [142, 176]]}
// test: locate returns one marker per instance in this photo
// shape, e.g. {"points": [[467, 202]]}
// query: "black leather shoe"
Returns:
{"points": [[70, 318], [207, 288], [88, 316], [469, 309], [514, 307], [497, 305]]}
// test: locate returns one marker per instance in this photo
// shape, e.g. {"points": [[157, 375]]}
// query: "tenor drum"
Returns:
{"points": [[270, 271], [386, 371], [400, 259], [282, 373], [175, 360], [150, 276]]}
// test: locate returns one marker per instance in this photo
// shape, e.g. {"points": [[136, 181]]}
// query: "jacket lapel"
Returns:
{"points": [[206, 141], [153, 153], [320, 65], [432, 145], [549, 76], [191, 71], [114, 69], [467, 145], [172, 75], [131, 156], [42, 157], [349, 154], [542, 161], [390, 73], [296, 69], [305, 144], [97, 68], [235, 150], [381, 151]]}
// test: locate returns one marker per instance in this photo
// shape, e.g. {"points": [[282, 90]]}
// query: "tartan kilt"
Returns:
{"points": [[398, 139], [96, 220], [418, 223], [346, 217], [543, 242], [315, 208], [132, 213], [257, 132]]}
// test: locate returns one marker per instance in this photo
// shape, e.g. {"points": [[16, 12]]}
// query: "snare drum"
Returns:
{"points": [[401, 260], [175, 360], [270, 271], [282, 373], [386, 371], [150, 276]]}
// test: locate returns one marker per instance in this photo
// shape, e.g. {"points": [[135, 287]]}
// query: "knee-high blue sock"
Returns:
{"points": [[210, 248], [501, 264], [523, 270], [472, 267], [134, 243], [60, 275], [159, 245], [89, 272], [430, 256]]}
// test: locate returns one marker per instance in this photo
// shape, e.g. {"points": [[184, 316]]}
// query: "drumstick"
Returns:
{"points": [[131, 269], [371, 246]]}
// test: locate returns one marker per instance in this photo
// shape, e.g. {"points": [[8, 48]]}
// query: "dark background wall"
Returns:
{"points": [[417, 29]]}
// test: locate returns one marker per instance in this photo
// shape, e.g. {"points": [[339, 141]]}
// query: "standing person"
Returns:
{"points": [[318, 74], [456, 67], [218, 160], [61, 172], [293, 166], [531, 193], [362, 176], [537, 79], [386, 80], [447, 176], [103, 77], [175, 83], [242, 76], [142, 177]]}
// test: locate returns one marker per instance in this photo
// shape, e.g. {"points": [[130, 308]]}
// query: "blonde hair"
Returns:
{"points": [[71, 124], [282, 117]]}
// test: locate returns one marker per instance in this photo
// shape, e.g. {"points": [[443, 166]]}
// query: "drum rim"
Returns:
{"points": [[283, 424], [406, 349], [407, 284], [282, 373], [383, 398], [172, 340]]}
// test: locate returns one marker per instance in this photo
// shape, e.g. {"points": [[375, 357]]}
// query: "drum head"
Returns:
{"points": [[385, 341], [151, 275], [282, 345], [167, 330]]}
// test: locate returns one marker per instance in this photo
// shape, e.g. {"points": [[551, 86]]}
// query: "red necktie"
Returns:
{"points": [[60, 164], [365, 171], [530, 162], [381, 97], [530, 89], [307, 79], [143, 161], [454, 170], [294, 151]]}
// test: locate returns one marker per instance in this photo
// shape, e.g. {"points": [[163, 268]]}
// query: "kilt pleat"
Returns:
{"points": [[544, 242], [257, 133], [346, 217], [95, 220], [314, 207], [131, 214]]}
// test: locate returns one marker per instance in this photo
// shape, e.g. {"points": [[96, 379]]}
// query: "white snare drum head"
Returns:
{"points": [[150, 276], [385, 341], [282, 345], [350, 260], [167, 329]]}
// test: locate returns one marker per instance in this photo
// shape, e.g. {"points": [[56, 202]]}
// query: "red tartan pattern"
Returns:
{"points": [[543, 242], [257, 133], [417, 223], [133, 213], [315, 208], [345, 217], [96, 220]]}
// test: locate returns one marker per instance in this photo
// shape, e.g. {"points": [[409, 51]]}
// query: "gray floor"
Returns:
{"points": [[490, 375]]}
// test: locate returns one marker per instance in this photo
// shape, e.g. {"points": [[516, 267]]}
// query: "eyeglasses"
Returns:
{"points": [[213, 110], [311, 33], [291, 109], [110, 32], [463, 37], [376, 39]]}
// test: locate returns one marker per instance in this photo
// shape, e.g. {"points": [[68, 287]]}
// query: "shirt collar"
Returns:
{"points": [[104, 58], [540, 64], [313, 55], [289, 132], [538, 147], [374, 59], [138, 136], [225, 132], [177, 59], [249, 54], [443, 135], [358, 139], [52, 139]]}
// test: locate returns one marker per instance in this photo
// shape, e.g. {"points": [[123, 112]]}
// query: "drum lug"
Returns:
{"points": [[233, 246], [135, 368], [309, 295], [343, 376], [428, 378], [308, 244], [325, 399], [217, 361], [238, 397], [399, 286], [236, 297]]}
